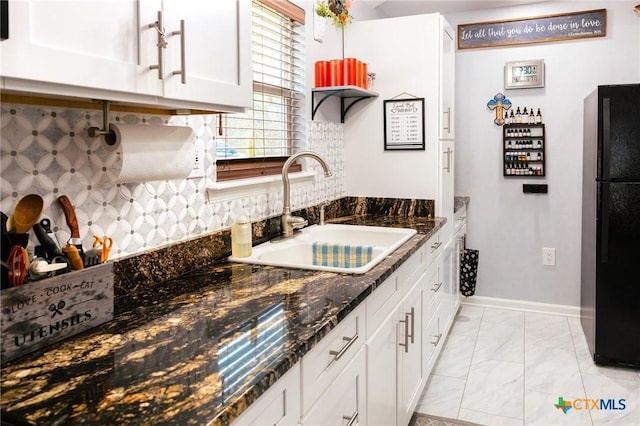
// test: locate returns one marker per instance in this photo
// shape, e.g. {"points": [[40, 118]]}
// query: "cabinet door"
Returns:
{"points": [[381, 373], [431, 290], [409, 362], [214, 51], [445, 200], [280, 405], [344, 402], [446, 275], [455, 285], [322, 364], [95, 44], [447, 94]]}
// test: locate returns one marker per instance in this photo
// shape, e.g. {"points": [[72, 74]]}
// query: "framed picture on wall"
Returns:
{"points": [[404, 124]]}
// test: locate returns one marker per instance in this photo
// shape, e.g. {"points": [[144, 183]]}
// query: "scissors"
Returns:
{"points": [[106, 243], [17, 261]]}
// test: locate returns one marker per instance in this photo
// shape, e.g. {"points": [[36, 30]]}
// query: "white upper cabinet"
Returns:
{"points": [[109, 49], [215, 56], [87, 44], [447, 80]]}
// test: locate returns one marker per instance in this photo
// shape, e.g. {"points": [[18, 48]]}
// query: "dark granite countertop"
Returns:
{"points": [[165, 361], [460, 201]]}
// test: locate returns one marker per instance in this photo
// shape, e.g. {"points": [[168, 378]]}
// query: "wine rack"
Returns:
{"points": [[523, 150]]}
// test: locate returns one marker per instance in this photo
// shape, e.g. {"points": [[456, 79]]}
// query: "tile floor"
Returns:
{"points": [[505, 367]]}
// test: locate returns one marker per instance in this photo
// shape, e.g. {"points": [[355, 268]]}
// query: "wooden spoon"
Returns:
{"points": [[27, 213]]}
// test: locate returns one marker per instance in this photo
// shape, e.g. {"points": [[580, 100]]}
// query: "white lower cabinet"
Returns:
{"points": [[382, 355], [459, 245], [343, 402], [279, 406], [372, 368], [395, 348], [323, 364], [436, 307], [410, 378]]}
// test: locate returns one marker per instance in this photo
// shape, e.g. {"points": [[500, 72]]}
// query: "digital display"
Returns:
{"points": [[527, 73], [524, 74]]}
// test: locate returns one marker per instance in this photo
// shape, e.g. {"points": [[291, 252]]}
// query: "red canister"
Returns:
{"points": [[351, 71], [328, 73], [321, 73], [361, 79], [337, 72]]}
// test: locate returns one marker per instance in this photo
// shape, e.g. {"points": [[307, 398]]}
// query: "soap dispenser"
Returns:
{"points": [[241, 237]]}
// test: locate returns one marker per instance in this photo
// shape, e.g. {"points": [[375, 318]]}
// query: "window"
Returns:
{"points": [[258, 142]]}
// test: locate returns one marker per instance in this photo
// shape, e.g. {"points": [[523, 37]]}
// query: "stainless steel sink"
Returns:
{"points": [[297, 252]]}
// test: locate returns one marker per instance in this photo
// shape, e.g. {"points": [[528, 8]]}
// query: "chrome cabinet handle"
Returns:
{"points": [[183, 71], [405, 321], [351, 420], [160, 44], [349, 340], [436, 287], [448, 127], [438, 337], [413, 323], [448, 167], [436, 245]]}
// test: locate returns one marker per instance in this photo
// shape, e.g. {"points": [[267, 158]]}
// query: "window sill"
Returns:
{"points": [[232, 190]]}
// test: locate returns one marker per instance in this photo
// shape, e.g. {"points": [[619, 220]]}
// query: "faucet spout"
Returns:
{"points": [[290, 223]]}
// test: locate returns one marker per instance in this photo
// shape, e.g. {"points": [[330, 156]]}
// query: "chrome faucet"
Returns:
{"points": [[291, 223]]}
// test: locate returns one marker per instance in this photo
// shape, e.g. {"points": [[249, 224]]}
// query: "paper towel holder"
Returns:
{"points": [[109, 135]]}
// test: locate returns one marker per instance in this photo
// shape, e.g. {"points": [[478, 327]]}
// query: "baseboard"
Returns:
{"points": [[522, 305]]}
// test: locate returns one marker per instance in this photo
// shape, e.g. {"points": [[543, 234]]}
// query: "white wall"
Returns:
{"points": [[508, 227]]}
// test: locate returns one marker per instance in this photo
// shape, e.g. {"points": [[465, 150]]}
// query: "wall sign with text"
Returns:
{"points": [[404, 124], [540, 29]]}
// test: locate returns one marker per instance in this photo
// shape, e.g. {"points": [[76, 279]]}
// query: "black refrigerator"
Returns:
{"points": [[610, 264]]}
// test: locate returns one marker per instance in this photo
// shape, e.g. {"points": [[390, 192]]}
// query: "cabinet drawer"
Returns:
{"points": [[435, 329], [344, 403], [460, 218], [412, 268], [432, 285], [429, 336], [280, 405], [382, 302], [434, 247], [325, 361]]}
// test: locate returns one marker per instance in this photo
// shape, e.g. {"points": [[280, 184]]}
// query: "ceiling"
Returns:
{"points": [[393, 8]]}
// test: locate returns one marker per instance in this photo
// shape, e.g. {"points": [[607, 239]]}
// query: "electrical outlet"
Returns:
{"points": [[549, 256], [198, 160]]}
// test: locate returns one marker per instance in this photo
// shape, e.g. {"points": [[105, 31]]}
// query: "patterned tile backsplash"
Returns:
{"points": [[47, 151]]}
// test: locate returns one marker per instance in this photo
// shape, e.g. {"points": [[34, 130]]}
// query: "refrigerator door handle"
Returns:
{"points": [[606, 137], [604, 225]]}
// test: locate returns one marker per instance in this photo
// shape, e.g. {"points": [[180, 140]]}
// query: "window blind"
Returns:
{"points": [[259, 141]]}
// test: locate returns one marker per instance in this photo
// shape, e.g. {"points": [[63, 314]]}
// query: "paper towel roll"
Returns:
{"points": [[150, 152]]}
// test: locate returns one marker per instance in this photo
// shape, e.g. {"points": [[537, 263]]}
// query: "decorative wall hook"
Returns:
{"points": [[499, 103]]}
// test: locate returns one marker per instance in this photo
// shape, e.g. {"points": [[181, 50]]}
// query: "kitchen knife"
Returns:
{"points": [[50, 247], [72, 222]]}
